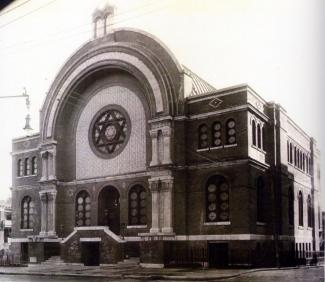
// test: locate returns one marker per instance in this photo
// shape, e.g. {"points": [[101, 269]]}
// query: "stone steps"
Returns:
{"points": [[133, 261], [54, 260]]}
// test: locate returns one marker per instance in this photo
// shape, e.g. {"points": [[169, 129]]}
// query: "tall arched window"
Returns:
{"points": [[27, 213], [231, 132], [216, 199], [300, 159], [203, 136], [301, 209], [303, 161], [34, 165], [291, 159], [20, 168], [295, 155], [291, 206], [254, 132], [216, 134], [26, 167], [83, 209], [259, 140], [309, 212], [260, 202], [137, 205]]}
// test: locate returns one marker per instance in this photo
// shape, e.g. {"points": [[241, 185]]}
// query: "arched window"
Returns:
{"points": [[254, 132], [301, 209], [309, 212], [260, 202], [231, 132], [291, 206], [303, 161], [216, 199], [203, 136], [291, 159], [288, 153], [27, 213], [83, 209], [216, 134], [295, 155], [137, 205], [34, 165], [26, 166], [259, 140], [20, 168]]}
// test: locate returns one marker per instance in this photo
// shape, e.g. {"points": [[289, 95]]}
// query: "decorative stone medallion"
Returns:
{"points": [[109, 131], [215, 103]]}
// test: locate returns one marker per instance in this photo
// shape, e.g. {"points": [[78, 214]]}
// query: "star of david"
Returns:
{"points": [[109, 131]]}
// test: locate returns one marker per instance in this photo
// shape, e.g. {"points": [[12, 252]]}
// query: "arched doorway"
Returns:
{"points": [[109, 208]]}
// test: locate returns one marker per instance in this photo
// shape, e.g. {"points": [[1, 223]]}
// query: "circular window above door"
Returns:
{"points": [[109, 131]]}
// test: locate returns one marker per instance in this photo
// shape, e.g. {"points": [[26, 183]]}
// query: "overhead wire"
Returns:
{"points": [[27, 14], [42, 41]]}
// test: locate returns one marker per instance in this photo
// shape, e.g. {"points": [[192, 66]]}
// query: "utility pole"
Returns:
{"points": [[27, 126]]}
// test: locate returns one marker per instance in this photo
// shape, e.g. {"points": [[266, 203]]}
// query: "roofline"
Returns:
{"points": [[27, 137]]}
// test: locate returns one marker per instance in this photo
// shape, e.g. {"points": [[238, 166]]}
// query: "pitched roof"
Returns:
{"points": [[199, 85]]}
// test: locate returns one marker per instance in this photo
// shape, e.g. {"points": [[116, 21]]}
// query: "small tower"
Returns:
{"points": [[103, 20]]}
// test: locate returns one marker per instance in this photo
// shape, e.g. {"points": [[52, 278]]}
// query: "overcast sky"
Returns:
{"points": [[275, 46]]}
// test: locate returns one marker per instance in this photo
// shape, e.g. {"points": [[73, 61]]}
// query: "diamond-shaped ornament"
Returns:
{"points": [[215, 103]]}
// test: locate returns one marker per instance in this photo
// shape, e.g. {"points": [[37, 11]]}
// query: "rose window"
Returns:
{"points": [[109, 131]]}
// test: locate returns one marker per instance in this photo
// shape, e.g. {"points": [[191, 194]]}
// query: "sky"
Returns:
{"points": [[274, 46]]}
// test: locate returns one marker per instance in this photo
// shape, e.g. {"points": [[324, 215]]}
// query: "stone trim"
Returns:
{"points": [[95, 239], [217, 223], [136, 226], [94, 228], [52, 109], [15, 153]]}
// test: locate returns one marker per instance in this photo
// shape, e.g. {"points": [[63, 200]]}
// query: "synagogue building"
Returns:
{"points": [[137, 156]]}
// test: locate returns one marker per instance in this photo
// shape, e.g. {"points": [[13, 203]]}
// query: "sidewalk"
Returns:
{"points": [[130, 272]]}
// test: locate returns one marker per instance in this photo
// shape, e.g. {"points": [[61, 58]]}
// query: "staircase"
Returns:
{"points": [[55, 260]]}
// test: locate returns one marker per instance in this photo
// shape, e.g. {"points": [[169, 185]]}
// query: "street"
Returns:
{"points": [[296, 275]]}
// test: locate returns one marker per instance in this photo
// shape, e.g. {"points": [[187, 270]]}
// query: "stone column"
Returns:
{"points": [[52, 164], [154, 143], [154, 188], [51, 213], [167, 190], [44, 157], [167, 145], [43, 198]]}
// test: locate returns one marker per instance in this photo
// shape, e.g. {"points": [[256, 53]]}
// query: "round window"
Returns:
{"points": [[109, 131]]}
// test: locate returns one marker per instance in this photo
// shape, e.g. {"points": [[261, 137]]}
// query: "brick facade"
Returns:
{"points": [[165, 155]]}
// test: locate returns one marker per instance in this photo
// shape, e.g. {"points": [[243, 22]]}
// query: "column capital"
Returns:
{"points": [[166, 131], [153, 133]]}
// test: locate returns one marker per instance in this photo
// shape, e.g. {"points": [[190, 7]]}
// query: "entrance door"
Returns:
{"points": [[218, 254], [90, 253], [24, 252], [109, 209]]}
